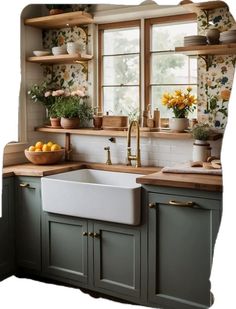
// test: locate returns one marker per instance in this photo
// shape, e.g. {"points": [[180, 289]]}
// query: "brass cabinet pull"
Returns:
{"points": [[91, 234], [26, 185], [85, 234], [181, 204], [152, 205], [96, 235]]}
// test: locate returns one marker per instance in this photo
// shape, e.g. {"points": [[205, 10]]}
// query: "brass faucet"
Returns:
{"points": [[108, 162], [131, 157]]}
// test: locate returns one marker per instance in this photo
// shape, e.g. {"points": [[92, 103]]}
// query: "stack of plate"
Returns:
{"points": [[228, 36], [195, 40]]}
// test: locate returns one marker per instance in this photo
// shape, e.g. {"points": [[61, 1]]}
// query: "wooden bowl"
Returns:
{"points": [[44, 157]]}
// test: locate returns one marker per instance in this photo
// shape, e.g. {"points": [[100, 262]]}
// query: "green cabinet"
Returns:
{"points": [[65, 247], [28, 223], [182, 231], [7, 229], [99, 256]]}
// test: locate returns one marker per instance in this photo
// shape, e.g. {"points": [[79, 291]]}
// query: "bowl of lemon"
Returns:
{"points": [[44, 153]]}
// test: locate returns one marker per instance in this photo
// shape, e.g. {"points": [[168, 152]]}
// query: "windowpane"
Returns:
{"points": [[121, 41], [193, 70], [169, 69], [157, 93], [121, 100], [167, 37], [121, 70]]}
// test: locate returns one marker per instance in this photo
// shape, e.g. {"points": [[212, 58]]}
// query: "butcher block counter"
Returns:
{"points": [[191, 181], [29, 169]]}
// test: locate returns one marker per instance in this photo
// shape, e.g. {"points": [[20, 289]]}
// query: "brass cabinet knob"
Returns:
{"points": [[85, 234], [91, 234], [96, 235], [25, 185], [152, 205]]}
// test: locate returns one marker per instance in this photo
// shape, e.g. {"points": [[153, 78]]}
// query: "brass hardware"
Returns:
{"points": [[131, 157], [85, 234], [96, 235], [152, 205], [24, 185], [91, 234], [182, 204], [108, 161]]}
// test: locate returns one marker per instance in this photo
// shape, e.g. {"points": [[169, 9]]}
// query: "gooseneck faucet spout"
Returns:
{"points": [[131, 157]]}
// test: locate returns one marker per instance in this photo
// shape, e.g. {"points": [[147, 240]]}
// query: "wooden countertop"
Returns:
{"points": [[29, 169], [191, 181]]}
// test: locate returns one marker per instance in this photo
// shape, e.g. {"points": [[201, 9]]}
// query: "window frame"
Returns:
{"points": [[108, 26], [148, 23]]}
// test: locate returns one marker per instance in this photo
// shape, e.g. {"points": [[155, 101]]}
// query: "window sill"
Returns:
{"points": [[114, 133]]}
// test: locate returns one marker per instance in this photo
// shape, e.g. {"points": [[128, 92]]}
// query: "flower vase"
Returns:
{"points": [[201, 150], [178, 124]]}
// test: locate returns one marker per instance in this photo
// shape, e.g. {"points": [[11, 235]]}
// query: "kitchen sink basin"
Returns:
{"points": [[93, 194]]}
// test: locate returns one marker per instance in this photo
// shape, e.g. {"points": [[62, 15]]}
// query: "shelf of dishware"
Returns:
{"points": [[60, 20], [218, 49], [67, 58]]}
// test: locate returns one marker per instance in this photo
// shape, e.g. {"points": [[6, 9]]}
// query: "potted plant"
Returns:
{"points": [[73, 109], [181, 103], [57, 8], [201, 148]]}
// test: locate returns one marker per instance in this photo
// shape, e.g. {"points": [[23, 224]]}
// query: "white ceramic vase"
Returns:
{"points": [[201, 150], [178, 124]]}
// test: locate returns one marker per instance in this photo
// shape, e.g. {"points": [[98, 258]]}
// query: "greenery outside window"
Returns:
{"points": [[119, 71]]}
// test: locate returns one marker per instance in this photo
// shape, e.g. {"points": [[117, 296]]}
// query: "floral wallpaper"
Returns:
{"points": [[67, 75], [215, 84]]}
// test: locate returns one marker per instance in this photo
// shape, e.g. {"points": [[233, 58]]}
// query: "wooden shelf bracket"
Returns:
{"points": [[208, 60]]}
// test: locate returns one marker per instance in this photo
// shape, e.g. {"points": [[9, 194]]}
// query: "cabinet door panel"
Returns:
{"points": [[181, 241], [28, 223], [65, 247], [7, 229], [117, 259]]}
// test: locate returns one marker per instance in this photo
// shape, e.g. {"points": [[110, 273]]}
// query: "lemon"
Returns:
{"points": [[55, 147], [50, 144], [39, 145], [46, 147], [38, 150], [31, 148]]}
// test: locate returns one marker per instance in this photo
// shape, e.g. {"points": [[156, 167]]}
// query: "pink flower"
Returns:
{"points": [[47, 94], [78, 92], [57, 93]]}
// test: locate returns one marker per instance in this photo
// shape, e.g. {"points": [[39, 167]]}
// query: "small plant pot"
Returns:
{"points": [[178, 124], [97, 122], [201, 150], [55, 122], [56, 11], [70, 123]]}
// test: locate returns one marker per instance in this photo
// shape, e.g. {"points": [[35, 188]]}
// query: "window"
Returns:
{"points": [[119, 71], [168, 71]]}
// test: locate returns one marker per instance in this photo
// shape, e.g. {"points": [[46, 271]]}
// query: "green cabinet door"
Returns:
{"points": [[28, 223], [182, 233], [7, 229], [65, 244], [117, 259]]}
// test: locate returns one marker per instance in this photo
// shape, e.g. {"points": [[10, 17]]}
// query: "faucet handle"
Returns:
{"points": [[107, 148]]}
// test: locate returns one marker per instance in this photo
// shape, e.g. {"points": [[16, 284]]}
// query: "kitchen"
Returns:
{"points": [[158, 148]]}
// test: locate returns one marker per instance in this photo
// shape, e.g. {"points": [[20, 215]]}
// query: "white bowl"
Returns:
{"points": [[59, 50], [73, 51], [40, 53]]}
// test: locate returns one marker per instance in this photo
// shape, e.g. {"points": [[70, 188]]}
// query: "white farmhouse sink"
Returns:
{"points": [[101, 195]]}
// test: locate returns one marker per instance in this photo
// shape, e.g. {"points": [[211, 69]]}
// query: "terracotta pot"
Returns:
{"points": [[72, 123], [213, 36], [97, 122], [55, 122], [55, 11], [178, 124]]}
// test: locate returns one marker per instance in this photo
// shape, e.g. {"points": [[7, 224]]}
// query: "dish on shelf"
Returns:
{"points": [[228, 36], [195, 40], [41, 53], [59, 50]]}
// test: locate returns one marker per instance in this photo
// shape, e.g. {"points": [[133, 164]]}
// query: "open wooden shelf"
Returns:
{"points": [[60, 20], [60, 58], [205, 6], [112, 133], [220, 49]]}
